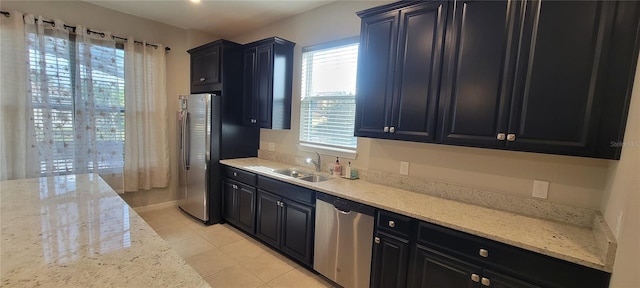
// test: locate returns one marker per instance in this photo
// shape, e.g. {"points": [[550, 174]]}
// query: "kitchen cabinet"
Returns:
{"points": [[239, 199], [443, 255], [285, 218], [391, 250], [205, 67], [267, 75], [399, 70], [538, 76], [390, 260]]}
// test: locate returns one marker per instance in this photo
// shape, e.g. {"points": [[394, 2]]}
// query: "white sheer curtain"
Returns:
{"points": [[13, 103], [146, 136]]}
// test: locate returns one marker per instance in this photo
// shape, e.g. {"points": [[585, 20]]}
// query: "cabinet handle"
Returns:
{"points": [[392, 223], [486, 281], [484, 253], [385, 129], [202, 79], [501, 136], [377, 240], [235, 187], [511, 137], [392, 129], [475, 278]]}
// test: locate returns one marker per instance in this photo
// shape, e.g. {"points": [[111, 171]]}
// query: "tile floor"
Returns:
{"points": [[226, 257]]}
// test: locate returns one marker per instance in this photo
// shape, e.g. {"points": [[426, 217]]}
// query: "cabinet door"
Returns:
{"points": [[478, 72], [268, 218], [432, 269], [246, 196], [264, 84], [297, 231], [205, 69], [229, 198], [498, 280], [376, 64], [417, 77], [390, 260], [555, 105], [249, 103]]}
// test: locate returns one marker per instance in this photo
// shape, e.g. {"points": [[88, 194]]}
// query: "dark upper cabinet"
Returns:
{"points": [[539, 76], [268, 72], [558, 89], [399, 71], [205, 67], [478, 72]]}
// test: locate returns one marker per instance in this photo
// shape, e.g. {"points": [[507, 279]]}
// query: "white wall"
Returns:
{"points": [[622, 197], [120, 24]]}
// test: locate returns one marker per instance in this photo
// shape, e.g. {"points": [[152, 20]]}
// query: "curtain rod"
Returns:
{"points": [[7, 14]]}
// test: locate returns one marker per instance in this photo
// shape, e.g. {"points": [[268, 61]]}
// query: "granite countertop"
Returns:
{"points": [[75, 231], [576, 244]]}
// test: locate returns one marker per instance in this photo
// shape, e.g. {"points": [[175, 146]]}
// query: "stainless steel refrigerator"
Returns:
{"points": [[209, 129]]}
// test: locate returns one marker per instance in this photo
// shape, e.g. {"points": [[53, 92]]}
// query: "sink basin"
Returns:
{"points": [[315, 178], [291, 172]]}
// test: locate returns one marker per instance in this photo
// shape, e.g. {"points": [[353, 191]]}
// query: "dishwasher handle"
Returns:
{"points": [[341, 211]]}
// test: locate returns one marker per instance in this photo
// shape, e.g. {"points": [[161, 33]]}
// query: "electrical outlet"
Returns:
{"points": [[404, 168], [540, 189], [271, 146]]}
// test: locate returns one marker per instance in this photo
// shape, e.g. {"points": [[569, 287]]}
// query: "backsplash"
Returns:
{"points": [[519, 205]]}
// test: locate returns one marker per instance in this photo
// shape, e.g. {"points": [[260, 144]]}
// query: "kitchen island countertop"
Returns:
{"points": [[75, 231]]}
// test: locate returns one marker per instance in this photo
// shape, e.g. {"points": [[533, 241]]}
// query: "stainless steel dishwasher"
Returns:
{"points": [[343, 240]]}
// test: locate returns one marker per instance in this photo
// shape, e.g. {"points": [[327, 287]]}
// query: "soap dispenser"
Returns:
{"points": [[337, 168]]}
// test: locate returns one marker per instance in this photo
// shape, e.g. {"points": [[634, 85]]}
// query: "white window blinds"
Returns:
{"points": [[327, 110]]}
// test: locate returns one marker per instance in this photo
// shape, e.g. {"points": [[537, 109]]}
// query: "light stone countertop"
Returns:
{"points": [[75, 231], [569, 242]]}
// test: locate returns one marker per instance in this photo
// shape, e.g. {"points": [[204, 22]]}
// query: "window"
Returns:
{"points": [[78, 126], [327, 110]]}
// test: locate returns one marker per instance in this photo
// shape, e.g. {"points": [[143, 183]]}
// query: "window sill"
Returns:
{"points": [[331, 151]]}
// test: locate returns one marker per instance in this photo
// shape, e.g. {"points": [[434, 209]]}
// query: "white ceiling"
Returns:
{"points": [[220, 18]]}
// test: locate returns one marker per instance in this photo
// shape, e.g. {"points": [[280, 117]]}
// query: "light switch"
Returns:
{"points": [[404, 168], [540, 189]]}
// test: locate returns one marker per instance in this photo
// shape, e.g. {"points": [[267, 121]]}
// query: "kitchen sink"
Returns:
{"points": [[315, 178], [302, 175]]}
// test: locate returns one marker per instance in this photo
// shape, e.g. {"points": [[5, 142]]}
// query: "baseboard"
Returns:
{"points": [[158, 206]]}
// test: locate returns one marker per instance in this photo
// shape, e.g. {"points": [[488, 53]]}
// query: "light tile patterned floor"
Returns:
{"points": [[226, 257]]}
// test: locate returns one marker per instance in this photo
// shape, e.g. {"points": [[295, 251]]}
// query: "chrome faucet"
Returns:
{"points": [[317, 163]]}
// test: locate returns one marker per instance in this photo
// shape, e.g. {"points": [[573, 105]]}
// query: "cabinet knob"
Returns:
{"points": [[511, 137], [486, 281], [475, 278], [392, 223], [501, 136], [385, 129], [235, 174], [392, 129], [202, 79], [484, 253], [235, 187], [377, 240], [253, 121]]}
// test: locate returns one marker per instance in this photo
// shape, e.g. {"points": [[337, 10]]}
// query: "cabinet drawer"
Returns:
{"points": [[534, 267], [240, 175], [394, 223], [293, 192]]}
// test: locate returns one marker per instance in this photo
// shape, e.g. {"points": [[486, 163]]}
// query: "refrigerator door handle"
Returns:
{"points": [[187, 141]]}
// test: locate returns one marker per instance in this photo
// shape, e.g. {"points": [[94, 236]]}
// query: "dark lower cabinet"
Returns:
{"points": [[297, 230], [286, 225], [433, 269], [390, 259], [239, 204], [269, 218]]}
